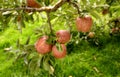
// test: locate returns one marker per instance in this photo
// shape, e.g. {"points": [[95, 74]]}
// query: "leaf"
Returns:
{"points": [[53, 16], [26, 60], [39, 2], [59, 47], [84, 2], [47, 66], [39, 62], [1, 16], [94, 13], [51, 71], [19, 26], [7, 13], [33, 65], [29, 47], [27, 41], [8, 49], [18, 43], [47, 2], [21, 55], [28, 17]]}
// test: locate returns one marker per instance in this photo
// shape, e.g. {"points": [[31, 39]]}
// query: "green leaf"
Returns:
{"points": [[47, 66], [18, 43], [53, 16], [47, 2], [39, 1], [94, 13], [29, 47], [39, 62], [33, 65], [27, 41], [84, 2]]}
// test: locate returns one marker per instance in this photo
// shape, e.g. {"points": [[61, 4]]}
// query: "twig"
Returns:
{"points": [[76, 6], [49, 23]]}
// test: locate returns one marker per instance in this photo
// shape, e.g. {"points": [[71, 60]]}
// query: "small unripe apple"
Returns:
{"points": [[91, 34]]}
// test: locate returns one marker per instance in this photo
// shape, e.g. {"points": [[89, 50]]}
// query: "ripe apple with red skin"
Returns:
{"points": [[42, 46], [33, 3], [63, 36], [84, 24], [57, 53]]}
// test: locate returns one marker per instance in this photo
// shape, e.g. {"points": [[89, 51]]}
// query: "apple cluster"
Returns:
{"points": [[83, 24], [62, 37]]}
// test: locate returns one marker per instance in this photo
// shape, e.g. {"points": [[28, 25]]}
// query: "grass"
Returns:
{"points": [[92, 62], [8, 38], [83, 59]]}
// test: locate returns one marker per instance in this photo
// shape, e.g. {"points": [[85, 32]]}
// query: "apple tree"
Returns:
{"points": [[64, 23]]}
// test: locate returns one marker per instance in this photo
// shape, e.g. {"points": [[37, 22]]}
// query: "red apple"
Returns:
{"points": [[57, 53], [84, 24], [33, 3], [63, 36], [42, 46]]}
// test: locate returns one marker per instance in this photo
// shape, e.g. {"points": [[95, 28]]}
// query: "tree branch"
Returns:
{"points": [[49, 23], [58, 4], [46, 8]]}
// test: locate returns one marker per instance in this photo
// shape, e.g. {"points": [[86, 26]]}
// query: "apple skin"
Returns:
{"points": [[84, 24], [59, 54], [33, 4], [63, 36], [42, 46]]}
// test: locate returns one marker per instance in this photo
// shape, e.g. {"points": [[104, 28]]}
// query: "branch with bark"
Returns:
{"points": [[49, 23], [46, 8]]}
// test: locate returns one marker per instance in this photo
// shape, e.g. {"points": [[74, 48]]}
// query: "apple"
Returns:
{"points": [[63, 36], [42, 46], [57, 53], [84, 24], [33, 4]]}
